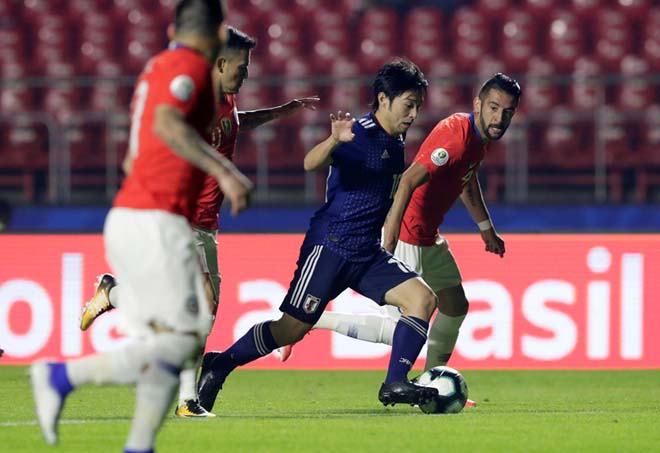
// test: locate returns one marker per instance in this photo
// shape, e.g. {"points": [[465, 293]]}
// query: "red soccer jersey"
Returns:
{"points": [[160, 179], [224, 140], [451, 154]]}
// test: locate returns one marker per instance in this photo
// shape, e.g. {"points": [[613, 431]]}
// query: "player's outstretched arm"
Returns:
{"points": [[412, 178], [320, 156], [171, 127], [473, 199], [254, 118]]}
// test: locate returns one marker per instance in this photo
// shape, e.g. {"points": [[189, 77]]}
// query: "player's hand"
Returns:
{"points": [[295, 105], [237, 188], [494, 243], [342, 126]]}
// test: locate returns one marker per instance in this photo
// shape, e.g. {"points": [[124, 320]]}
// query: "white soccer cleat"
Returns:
{"points": [[100, 301], [283, 353], [47, 400]]}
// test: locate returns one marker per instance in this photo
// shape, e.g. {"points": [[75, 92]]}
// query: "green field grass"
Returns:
{"points": [[295, 411]]}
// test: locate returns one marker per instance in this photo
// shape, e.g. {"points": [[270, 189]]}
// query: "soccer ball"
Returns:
{"points": [[452, 390]]}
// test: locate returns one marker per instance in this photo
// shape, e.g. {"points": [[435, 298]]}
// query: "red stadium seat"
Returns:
{"points": [[16, 98], [62, 101], [613, 37], [634, 9], [651, 38], [493, 8], [648, 173], [107, 96], [585, 9], [470, 38], [29, 139], [540, 93], [565, 40], [539, 8], [636, 92], [586, 91], [34, 9], [444, 93], [424, 23], [518, 40]]}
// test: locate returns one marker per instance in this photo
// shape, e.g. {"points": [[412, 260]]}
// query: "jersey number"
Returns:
{"points": [[396, 179], [140, 99]]}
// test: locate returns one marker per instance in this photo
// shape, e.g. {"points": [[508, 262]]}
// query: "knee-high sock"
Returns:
{"points": [[367, 327], [156, 386], [442, 339], [256, 343], [409, 337]]}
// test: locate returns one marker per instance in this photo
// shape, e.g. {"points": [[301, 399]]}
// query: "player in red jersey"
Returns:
{"points": [[228, 77], [147, 234], [444, 169]]}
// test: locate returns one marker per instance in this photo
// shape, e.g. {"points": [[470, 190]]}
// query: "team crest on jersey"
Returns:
{"points": [[440, 156], [182, 87], [226, 125], [311, 304]]}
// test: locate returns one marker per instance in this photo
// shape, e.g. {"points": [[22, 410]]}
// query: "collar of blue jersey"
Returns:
{"points": [[474, 127]]}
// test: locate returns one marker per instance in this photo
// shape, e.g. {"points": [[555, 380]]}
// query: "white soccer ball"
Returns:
{"points": [[452, 390]]}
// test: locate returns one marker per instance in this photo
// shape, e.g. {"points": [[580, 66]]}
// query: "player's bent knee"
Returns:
{"points": [[174, 347]]}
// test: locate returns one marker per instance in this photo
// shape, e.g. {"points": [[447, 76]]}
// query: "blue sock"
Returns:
{"points": [[409, 338], [256, 343], [140, 451], [59, 379]]}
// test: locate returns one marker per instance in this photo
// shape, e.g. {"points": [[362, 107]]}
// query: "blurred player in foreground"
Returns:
{"points": [[230, 73], [148, 238], [444, 169], [342, 245]]}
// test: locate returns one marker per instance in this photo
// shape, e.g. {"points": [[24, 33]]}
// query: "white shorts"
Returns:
{"points": [[206, 243], [152, 253], [434, 263]]}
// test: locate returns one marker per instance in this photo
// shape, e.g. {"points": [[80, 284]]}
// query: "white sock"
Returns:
{"points": [[442, 338], [188, 384], [156, 386], [121, 366], [373, 328], [113, 296]]}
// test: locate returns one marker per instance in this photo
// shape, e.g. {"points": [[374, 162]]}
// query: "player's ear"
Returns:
{"points": [[476, 104], [220, 63], [382, 99], [171, 31]]}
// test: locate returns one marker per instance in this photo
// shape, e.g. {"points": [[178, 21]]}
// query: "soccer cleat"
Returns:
{"points": [[47, 399], [192, 409], [405, 392], [283, 353], [100, 302], [470, 403], [210, 381]]}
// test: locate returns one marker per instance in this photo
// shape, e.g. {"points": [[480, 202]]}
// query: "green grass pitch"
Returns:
{"points": [[309, 411]]}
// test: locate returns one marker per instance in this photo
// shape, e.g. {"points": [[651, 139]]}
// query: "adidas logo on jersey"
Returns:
{"points": [[385, 155]]}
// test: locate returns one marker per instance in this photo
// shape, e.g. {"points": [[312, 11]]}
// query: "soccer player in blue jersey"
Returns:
{"points": [[342, 246]]}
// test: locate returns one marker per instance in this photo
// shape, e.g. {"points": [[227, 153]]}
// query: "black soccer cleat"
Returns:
{"points": [[210, 381], [405, 392]]}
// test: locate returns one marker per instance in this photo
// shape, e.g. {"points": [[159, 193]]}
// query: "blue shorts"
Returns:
{"points": [[322, 275]]}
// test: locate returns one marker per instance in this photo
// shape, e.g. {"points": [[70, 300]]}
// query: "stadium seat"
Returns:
{"points": [[651, 38], [539, 8], [444, 93], [61, 100], [613, 37], [493, 8], [636, 92], [648, 173], [585, 9], [17, 97], [565, 41], [586, 92], [540, 93], [634, 9], [518, 40], [470, 38]]}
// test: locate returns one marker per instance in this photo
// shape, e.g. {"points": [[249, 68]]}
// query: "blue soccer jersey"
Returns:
{"points": [[363, 179]]}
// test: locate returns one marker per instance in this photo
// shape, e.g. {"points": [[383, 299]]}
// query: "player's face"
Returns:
{"points": [[233, 70], [493, 115], [397, 115]]}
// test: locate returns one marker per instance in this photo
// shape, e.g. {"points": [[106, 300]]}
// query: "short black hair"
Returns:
{"points": [[397, 77], [238, 40], [199, 16], [504, 83]]}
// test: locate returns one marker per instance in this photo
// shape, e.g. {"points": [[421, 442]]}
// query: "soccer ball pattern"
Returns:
{"points": [[452, 389]]}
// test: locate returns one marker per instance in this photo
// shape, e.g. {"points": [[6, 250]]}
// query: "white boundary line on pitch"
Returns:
{"points": [[65, 422]]}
